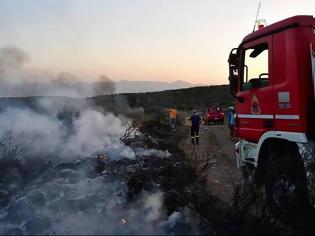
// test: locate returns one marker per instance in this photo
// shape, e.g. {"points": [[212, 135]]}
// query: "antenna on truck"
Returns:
{"points": [[257, 15]]}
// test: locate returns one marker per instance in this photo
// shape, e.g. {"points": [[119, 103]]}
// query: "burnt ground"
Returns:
{"points": [[215, 143], [95, 188], [198, 189]]}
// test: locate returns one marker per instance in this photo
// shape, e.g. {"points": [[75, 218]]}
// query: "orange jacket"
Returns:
{"points": [[173, 113]]}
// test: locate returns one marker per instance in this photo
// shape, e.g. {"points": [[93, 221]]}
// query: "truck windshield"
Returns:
{"points": [[255, 71]]}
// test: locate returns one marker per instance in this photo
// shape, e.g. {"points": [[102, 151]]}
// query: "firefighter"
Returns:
{"points": [[172, 117], [195, 123], [208, 115], [231, 121]]}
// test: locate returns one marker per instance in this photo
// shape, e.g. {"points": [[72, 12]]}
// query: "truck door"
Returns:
{"points": [[255, 96]]}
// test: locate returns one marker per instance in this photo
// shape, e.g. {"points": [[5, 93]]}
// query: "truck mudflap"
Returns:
{"points": [[238, 156], [307, 151], [246, 153], [313, 66]]}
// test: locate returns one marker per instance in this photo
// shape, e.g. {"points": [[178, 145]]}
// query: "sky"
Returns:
{"points": [[164, 40]]}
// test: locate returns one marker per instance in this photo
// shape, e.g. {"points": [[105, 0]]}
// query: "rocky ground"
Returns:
{"points": [[215, 144]]}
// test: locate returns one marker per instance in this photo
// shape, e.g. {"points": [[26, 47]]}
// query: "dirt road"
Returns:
{"points": [[215, 144]]}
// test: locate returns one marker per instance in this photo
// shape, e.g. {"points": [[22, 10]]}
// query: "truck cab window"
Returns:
{"points": [[255, 69]]}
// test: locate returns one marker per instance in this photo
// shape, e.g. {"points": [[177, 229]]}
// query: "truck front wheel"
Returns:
{"points": [[286, 184]]}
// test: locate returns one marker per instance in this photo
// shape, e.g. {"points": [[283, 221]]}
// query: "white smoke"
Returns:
{"points": [[90, 132], [12, 61], [59, 127], [141, 217], [65, 130], [17, 79], [96, 132]]}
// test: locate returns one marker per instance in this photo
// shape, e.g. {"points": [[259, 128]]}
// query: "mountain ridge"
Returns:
{"points": [[72, 88], [137, 86]]}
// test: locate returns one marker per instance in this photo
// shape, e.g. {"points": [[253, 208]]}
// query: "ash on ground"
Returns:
{"points": [[98, 195]]}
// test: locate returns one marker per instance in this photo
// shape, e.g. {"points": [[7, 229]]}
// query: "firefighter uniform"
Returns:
{"points": [[195, 122]]}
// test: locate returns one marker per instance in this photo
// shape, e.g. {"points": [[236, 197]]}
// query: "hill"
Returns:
{"points": [[71, 88], [125, 86], [183, 99]]}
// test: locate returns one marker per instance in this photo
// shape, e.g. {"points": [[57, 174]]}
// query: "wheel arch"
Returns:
{"points": [[271, 142]]}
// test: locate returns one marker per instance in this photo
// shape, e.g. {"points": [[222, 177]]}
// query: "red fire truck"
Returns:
{"points": [[272, 77], [214, 115]]}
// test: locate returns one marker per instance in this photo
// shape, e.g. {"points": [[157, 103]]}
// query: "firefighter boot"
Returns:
{"points": [[193, 140], [197, 140]]}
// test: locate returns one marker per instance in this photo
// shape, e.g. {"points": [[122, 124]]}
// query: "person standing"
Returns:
{"points": [[231, 121], [195, 123], [172, 117]]}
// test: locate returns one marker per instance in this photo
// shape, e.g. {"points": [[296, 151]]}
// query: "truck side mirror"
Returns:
{"points": [[233, 84], [233, 60], [233, 70]]}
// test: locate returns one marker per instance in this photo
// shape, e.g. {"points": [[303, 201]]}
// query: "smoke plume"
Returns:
{"points": [[62, 199], [17, 79], [89, 132]]}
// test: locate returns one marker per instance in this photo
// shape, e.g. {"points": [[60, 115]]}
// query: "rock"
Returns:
{"points": [[68, 173], [13, 176], [172, 200], [109, 178], [80, 203], [119, 198], [36, 166], [36, 197], [174, 217], [100, 163], [72, 176], [13, 188], [4, 195], [136, 183], [69, 191], [178, 225], [51, 190], [72, 166], [148, 186], [176, 164], [49, 176], [12, 230], [56, 205], [37, 225], [20, 210]]}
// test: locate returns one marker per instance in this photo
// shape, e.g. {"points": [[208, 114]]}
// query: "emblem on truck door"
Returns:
{"points": [[255, 108]]}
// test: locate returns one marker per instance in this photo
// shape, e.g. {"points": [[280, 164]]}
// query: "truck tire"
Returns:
{"points": [[286, 185]]}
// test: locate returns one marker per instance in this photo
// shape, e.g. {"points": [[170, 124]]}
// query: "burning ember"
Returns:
{"points": [[102, 157], [123, 221]]}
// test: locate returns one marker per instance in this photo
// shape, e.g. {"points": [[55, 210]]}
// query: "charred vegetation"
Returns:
{"points": [[158, 169]]}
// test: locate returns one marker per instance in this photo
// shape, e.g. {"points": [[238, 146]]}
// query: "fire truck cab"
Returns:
{"points": [[272, 77]]}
